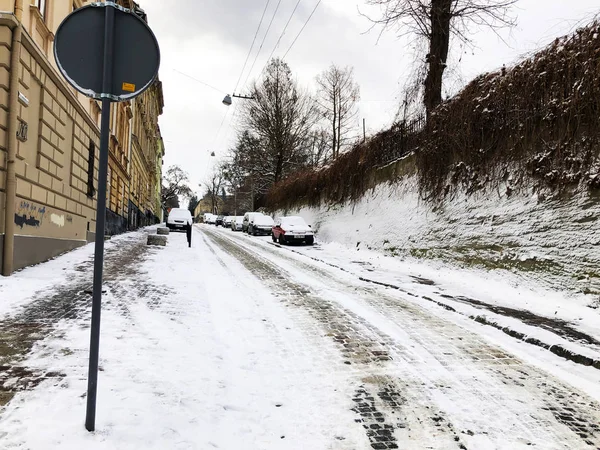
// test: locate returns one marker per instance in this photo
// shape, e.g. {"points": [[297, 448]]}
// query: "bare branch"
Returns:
{"points": [[337, 98], [437, 21]]}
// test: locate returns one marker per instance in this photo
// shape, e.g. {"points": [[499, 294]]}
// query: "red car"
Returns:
{"points": [[292, 229]]}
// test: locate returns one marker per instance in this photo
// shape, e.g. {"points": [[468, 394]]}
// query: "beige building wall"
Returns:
{"points": [[54, 210], [147, 151], [119, 168], [55, 204], [5, 44]]}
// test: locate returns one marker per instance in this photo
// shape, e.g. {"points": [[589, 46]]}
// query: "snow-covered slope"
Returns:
{"points": [[547, 239]]}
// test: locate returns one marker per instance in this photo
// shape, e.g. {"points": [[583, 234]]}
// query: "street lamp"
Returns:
{"points": [[227, 100]]}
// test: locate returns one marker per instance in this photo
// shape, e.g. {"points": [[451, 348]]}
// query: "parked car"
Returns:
{"points": [[227, 221], [261, 226], [210, 218], [179, 219], [219, 220], [237, 223], [248, 218], [292, 229]]}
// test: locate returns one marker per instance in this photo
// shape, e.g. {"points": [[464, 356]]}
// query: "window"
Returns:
{"points": [[40, 23], [91, 191], [41, 5], [95, 111]]}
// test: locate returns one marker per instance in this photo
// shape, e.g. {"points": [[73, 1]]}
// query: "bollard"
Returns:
{"points": [[188, 232], [155, 239]]}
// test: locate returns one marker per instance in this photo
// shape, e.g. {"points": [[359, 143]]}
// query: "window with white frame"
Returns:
{"points": [[41, 5]]}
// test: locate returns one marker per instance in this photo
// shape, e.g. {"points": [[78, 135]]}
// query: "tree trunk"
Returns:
{"points": [[438, 52], [339, 126], [334, 125], [279, 164], [235, 202]]}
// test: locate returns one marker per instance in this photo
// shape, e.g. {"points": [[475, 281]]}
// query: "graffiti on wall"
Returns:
{"points": [[29, 214]]}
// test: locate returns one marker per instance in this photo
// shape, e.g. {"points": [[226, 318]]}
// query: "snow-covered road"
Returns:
{"points": [[239, 344]]}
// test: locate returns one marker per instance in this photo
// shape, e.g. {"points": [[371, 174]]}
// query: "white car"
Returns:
{"points": [[248, 218], [179, 219], [237, 223], [210, 218], [292, 229]]}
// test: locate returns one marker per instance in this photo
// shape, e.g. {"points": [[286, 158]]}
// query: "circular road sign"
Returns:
{"points": [[79, 52]]}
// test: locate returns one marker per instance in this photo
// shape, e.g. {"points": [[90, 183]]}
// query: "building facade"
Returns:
{"points": [[147, 151], [49, 145]]}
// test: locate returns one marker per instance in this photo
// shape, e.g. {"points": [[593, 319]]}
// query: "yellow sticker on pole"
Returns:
{"points": [[128, 87]]}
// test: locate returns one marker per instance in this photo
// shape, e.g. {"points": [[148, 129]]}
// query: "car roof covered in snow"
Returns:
{"points": [[180, 212], [293, 220], [263, 220]]}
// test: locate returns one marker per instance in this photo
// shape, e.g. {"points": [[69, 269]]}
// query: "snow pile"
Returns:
{"points": [[547, 242]]}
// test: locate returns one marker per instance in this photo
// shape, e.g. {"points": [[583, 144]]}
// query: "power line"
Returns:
{"points": [[230, 126], [219, 130], [199, 81], [244, 67], [302, 29], [227, 134], [281, 35], [273, 51], [262, 43], [252, 46], [252, 67]]}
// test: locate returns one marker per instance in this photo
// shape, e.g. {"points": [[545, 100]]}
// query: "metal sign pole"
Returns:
{"points": [[86, 55], [90, 418]]}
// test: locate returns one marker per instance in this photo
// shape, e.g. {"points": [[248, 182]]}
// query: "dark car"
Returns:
{"points": [[219, 220], [292, 229], [227, 221], [261, 226]]}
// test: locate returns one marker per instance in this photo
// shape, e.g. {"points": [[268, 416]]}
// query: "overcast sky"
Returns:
{"points": [[209, 40]]}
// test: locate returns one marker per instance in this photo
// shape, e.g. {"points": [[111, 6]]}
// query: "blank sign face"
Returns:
{"points": [[79, 52]]}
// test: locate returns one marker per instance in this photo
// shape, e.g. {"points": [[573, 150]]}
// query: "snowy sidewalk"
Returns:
{"points": [[37, 301], [190, 358]]}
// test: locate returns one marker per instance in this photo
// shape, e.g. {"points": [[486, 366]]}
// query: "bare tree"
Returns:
{"points": [[338, 94], [249, 169], [437, 21], [278, 121], [175, 185], [236, 171], [214, 186], [192, 204], [320, 148]]}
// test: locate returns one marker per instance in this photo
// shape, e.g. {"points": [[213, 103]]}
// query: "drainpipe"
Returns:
{"points": [[129, 163], [13, 112]]}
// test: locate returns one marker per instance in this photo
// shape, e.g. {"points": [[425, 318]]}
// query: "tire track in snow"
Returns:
{"points": [[388, 424], [544, 410]]}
